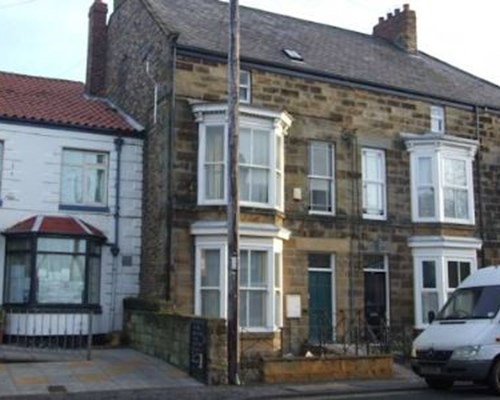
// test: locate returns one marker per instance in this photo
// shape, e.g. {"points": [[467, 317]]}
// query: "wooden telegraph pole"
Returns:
{"points": [[233, 206]]}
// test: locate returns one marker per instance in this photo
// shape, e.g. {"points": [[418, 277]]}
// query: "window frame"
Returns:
{"points": [[330, 179], [273, 248], [245, 86], [33, 253], [438, 149], [273, 122], [437, 124], [382, 192], [85, 168], [441, 251]]}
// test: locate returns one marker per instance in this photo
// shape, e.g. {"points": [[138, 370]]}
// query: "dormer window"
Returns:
{"points": [[245, 86], [437, 119]]}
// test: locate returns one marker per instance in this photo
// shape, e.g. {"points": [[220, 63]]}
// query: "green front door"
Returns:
{"points": [[320, 306]]}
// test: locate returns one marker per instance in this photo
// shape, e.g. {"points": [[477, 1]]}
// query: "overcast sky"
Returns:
{"points": [[48, 37]]}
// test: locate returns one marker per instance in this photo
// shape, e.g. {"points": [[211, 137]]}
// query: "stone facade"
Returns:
{"points": [[349, 116]]}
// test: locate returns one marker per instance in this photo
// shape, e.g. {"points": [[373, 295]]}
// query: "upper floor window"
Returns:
{"points": [[84, 179], [261, 156], [245, 86], [441, 175], [321, 177], [374, 184], [437, 119]]}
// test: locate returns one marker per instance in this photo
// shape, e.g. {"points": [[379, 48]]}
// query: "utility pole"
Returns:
{"points": [[233, 204]]}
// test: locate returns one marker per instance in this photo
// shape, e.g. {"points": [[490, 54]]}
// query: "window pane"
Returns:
{"points": [[244, 269], [373, 198], [373, 166], [277, 270], [94, 280], [245, 184], [320, 159], [214, 182], [452, 274], [277, 308], [72, 185], [424, 170], [210, 268], [210, 303], [17, 277], [320, 194], [61, 278], [429, 274], [259, 187], [456, 203], [245, 146], [455, 172], [244, 308], [261, 148], [464, 270], [73, 157], [18, 244], [62, 245], [429, 303], [258, 275], [319, 260], [257, 310], [426, 204], [214, 147]]}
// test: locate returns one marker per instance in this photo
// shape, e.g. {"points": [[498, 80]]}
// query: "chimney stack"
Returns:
{"points": [[400, 28], [96, 49]]}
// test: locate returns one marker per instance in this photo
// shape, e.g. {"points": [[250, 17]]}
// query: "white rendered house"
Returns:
{"points": [[70, 205]]}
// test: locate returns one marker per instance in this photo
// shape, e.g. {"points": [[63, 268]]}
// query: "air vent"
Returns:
{"points": [[293, 55]]}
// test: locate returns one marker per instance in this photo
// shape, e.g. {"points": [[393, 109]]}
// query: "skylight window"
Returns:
{"points": [[293, 55]]}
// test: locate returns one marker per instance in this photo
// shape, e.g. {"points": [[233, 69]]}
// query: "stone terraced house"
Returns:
{"points": [[70, 209], [369, 169]]}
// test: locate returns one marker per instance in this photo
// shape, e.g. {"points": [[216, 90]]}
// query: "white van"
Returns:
{"points": [[462, 343]]}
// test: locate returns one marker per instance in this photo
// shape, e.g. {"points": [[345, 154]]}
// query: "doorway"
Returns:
{"points": [[376, 303]]}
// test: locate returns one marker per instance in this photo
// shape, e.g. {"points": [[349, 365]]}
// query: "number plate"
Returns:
{"points": [[430, 370]]}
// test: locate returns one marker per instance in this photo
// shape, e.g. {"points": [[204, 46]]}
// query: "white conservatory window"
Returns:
{"points": [[321, 178], [84, 180], [374, 184], [440, 265], [261, 156], [260, 274], [442, 188]]}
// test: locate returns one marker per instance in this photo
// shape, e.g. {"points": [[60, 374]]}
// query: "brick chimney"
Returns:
{"points": [[400, 28], [96, 49]]}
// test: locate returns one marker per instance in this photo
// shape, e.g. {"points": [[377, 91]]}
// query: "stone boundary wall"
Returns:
{"points": [[282, 370], [166, 335]]}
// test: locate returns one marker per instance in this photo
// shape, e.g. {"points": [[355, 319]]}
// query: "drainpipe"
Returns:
{"points": [[479, 185], [169, 264], [115, 247]]}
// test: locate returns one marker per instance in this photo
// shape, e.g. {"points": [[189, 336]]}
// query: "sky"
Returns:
{"points": [[48, 37]]}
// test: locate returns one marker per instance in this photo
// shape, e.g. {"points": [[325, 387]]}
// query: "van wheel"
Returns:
{"points": [[439, 383], [494, 378]]}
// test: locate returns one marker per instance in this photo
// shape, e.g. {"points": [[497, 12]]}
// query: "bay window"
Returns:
{"points": [[260, 274], [261, 155], [441, 178], [440, 265], [48, 270]]}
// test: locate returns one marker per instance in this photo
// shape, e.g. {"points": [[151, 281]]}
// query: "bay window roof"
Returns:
{"points": [[57, 225]]}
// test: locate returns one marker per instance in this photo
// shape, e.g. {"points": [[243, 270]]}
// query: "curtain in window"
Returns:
{"points": [[455, 189], [373, 182], [214, 163], [18, 279], [425, 188], [253, 288]]}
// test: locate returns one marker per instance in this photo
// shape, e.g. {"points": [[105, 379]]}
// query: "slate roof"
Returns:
{"points": [[340, 53], [60, 225], [57, 102]]}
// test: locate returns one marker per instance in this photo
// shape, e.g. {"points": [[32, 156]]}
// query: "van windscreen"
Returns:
{"points": [[473, 302]]}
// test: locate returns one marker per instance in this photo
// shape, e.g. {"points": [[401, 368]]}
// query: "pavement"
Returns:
{"points": [[116, 374]]}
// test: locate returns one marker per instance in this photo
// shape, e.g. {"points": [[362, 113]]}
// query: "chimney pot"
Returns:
{"points": [[389, 15], [397, 11], [406, 7]]}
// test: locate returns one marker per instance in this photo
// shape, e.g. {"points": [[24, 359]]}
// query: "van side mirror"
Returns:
{"points": [[431, 316]]}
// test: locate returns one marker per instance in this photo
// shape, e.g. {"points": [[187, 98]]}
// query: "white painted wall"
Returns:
{"points": [[30, 185]]}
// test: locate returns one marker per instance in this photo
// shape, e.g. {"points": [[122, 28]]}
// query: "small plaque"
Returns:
{"points": [[293, 306]]}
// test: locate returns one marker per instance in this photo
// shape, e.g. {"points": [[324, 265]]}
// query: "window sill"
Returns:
{"points": [[444, 222], [258, 333], [69, 207], [52, 308], [370, 217], [322, 213]]}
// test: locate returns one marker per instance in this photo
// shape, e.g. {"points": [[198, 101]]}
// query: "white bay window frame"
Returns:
{"points": [[439, 250], [255, 120], [439, 149], [254, 238]]}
